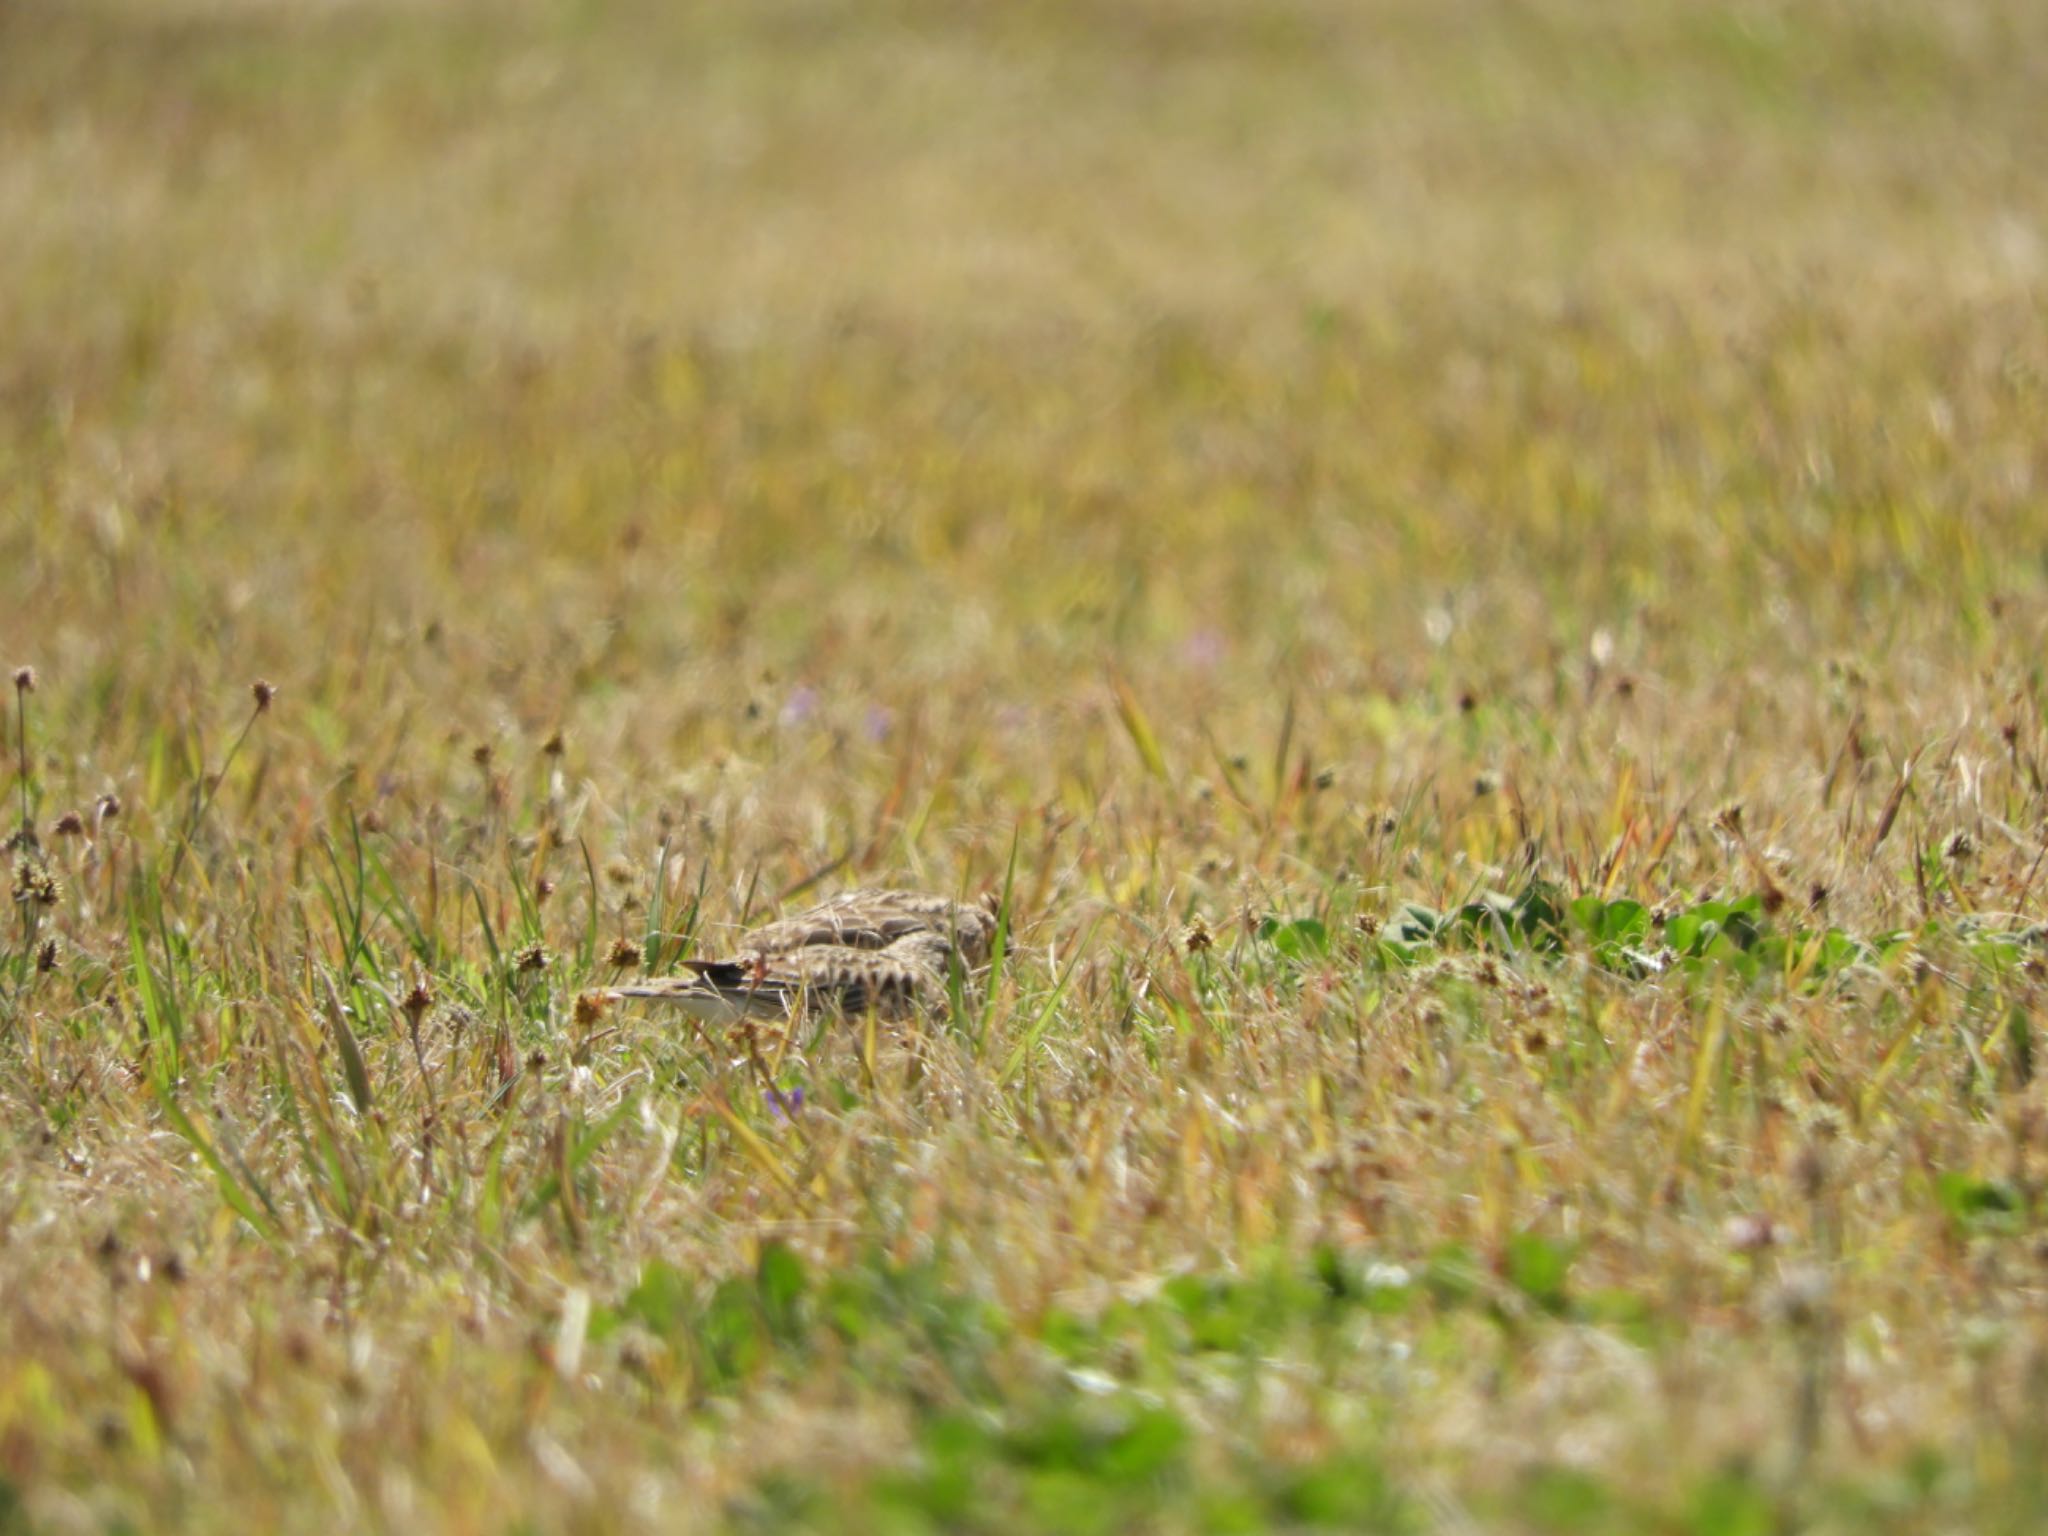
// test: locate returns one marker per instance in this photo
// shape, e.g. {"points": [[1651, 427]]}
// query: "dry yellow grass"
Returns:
{"points": [[1220, 475]]}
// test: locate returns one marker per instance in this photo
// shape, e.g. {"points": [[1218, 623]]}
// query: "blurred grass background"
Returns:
{"points": [[1187, 438]]}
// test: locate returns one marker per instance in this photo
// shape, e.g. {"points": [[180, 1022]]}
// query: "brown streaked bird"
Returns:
{"points": [[891, 952]]}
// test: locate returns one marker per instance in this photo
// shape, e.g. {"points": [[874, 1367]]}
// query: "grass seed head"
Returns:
{"points": [[34, 884], [1751, 1232], [1801, 1298], [264, 693], [1823, 1123], [624, 954], [70, 824], [24, 679]]}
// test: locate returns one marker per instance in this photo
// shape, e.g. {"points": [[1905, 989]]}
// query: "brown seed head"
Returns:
{"points": [[590, 1007], [70, 824], [1196, 937], [624, 954], [108, 807], [34, 885], [263, 692], [1751, 1233], [418, 1000], [46, 957], [553, 746], [24, 679], [534, 957], [1801, 1298]]}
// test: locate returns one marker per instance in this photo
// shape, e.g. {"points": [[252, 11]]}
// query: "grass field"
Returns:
{"points": [[1474, 572]]}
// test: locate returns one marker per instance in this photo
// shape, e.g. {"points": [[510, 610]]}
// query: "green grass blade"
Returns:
{"points": [[1139, 729], [1038, 1025], [231, 1191]]}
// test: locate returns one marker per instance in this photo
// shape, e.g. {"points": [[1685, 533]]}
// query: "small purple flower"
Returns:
{"points": [[878, 722], [800, 705], [783, 1103], [1203, 649]]}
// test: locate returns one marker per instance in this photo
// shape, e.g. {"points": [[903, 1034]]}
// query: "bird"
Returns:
{"points": [[890, 952]]}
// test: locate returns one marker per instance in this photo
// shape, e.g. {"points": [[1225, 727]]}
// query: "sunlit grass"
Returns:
{"points": [[1472, 574]]}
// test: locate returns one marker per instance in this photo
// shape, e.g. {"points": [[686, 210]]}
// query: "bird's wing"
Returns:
{"points": [[719, 989], [816, 978]]}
